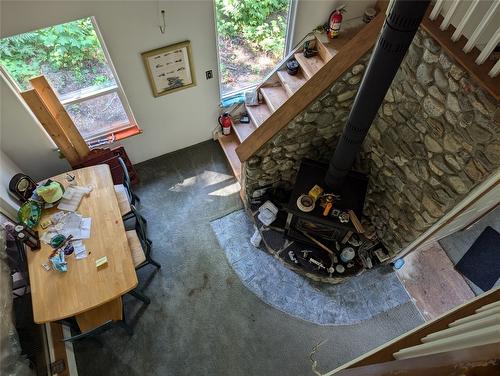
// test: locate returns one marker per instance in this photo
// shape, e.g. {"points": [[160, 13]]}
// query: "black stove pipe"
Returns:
{"points": [[397, 34]]}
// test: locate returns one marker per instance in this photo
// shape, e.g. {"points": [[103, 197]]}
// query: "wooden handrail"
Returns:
{"points": [[347, 56], [385, 352], [467, 61], [446, 363]]}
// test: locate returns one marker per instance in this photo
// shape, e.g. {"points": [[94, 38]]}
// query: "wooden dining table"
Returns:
{"points": [[91, 294]]}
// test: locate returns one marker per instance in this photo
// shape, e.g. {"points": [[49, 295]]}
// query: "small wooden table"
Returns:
{"points": [[57, 295]]}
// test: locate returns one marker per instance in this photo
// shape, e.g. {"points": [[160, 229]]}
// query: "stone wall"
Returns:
{"points": [[436, 136]]}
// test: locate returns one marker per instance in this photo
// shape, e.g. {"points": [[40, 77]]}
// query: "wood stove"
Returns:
{"points": [[325, 228]]}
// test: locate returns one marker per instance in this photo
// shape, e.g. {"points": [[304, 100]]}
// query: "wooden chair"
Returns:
{"points": [[140, 245]]}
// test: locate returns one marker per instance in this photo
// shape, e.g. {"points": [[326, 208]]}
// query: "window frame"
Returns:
{"points": [[290, 27], [128, 129]]}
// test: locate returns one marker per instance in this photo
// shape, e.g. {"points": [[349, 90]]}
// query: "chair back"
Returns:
{"points": [[141, 229], [126, 180], [91, 333]]}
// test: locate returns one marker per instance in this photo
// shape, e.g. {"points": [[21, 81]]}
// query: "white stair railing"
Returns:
{"points": [[466, 15]]}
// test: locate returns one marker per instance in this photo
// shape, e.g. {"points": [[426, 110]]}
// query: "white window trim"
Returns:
{"points": [[90, 94], [292, 13], [120, 92]]}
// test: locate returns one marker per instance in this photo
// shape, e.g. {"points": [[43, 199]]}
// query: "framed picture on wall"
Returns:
{"points": [[169, 68]]}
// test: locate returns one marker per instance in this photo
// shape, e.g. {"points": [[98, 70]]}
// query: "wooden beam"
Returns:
{"points": [[51, 125], [49, 97], [348, 55]]}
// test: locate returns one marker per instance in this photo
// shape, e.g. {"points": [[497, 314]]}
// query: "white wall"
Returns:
{"points": [[7, 170], [129, 27], [169, 122], [312, 13], [24, 140]]}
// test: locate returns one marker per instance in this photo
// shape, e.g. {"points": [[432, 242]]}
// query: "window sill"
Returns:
{"points": [[237, 96], [126, 133], [112, 137]]}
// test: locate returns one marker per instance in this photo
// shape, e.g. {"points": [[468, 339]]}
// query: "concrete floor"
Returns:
{"points": [[432, 281], [202, 320]]}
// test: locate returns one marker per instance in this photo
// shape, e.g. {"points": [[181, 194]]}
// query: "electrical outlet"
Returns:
{"points": [[209, 74]]}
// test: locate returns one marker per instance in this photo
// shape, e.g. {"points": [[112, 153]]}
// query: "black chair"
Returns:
{"points": [[18, 265], [91, 334], [140, 245], [125, 195]]}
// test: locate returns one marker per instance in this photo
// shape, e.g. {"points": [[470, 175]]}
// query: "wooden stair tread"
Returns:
{"points": [[229, 144], [354, 49], [309, 66], [328, 48], [291, 83], [259, 113], [243, 130], [275, 96]]}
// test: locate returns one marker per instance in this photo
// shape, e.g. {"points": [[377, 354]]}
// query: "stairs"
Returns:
{"points": [[281, 97]]}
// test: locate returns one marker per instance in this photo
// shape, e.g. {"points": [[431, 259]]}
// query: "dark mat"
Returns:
{"points": [[481, 263]]}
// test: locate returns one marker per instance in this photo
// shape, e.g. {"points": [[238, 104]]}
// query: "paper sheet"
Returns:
{"points": [[68, 223], [80, 250], [72, 198]]}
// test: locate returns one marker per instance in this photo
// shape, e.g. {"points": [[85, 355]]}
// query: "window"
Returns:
{"points": [[73, 58], [252, 39]]}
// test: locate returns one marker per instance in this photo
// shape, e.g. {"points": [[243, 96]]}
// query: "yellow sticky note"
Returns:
{"points": [[101, 262]]}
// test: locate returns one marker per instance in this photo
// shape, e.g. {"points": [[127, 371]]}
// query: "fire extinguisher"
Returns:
{"points": [[226, 122], [335, 22]]}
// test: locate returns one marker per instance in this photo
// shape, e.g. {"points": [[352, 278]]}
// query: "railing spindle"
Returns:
{"points": [[436, 9], [488, 49], [449, 14], [479, 29], [495, 70], [460, 28]]}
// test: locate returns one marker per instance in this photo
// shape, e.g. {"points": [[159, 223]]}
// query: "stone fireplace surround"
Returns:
{"points": [[436, 136]]}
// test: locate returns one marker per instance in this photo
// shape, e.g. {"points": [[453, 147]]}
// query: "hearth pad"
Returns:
{"points": [[358, 299]]}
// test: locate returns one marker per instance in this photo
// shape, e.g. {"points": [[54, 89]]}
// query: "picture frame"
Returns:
{"points": [[170, 68]]}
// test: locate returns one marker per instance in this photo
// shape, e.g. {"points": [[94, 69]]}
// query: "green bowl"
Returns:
{"points": [[29, 213]]}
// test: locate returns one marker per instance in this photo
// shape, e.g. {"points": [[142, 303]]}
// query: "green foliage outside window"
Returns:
{"points": [[71, 47], [260, 22]]}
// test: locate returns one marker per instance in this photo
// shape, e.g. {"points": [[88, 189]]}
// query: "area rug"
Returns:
{"points": [[481, 263], [358, 299]]}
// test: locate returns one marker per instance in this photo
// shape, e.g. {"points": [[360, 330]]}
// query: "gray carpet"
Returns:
{"points": [[457, 244], [359, 298], [202, 320]]}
